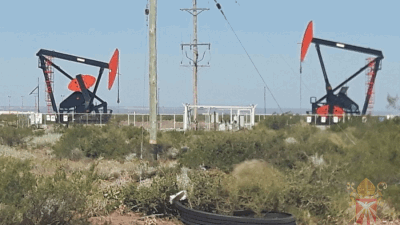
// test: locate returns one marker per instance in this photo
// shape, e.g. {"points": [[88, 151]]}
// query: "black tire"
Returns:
{"points": [[196, 217]]}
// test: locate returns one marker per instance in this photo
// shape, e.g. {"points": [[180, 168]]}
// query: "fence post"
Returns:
{"points": [[174, 122], [134, 118], [87, 118], [315, 119], [142, 120], [231, 117], [100, 118]]}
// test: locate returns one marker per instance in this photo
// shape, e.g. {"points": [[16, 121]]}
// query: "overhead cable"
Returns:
{"points": [[220, 8]]}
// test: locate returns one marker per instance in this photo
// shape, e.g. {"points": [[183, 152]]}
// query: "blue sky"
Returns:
{"points": [[270, 31]]}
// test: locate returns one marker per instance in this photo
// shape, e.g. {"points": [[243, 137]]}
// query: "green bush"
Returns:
{"points": [[253, 185], [55, 199], [15, 180], [314, 192], [154, 198], [277, 122], [108, 141], [224, 150], [175, 139], [12, 136], [206, 192]]}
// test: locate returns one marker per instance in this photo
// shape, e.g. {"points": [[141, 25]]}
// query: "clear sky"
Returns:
{"points": [[270, 31]]}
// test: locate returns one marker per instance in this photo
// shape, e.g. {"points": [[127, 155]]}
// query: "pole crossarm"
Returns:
{"points": [[197, 10], [194, 65], [191, 44]]}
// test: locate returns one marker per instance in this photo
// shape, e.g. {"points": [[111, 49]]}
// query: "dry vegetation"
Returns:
{"points": [[78, 174]]}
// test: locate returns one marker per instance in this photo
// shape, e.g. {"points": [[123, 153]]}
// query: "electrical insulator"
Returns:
{"points": [[218, 6], [146, 11]]}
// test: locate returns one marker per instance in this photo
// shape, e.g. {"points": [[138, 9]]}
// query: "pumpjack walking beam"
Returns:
{"points": [[72, 58]]}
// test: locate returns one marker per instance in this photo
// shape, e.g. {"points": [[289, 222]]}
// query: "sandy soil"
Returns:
{"points": [[131, 219]]}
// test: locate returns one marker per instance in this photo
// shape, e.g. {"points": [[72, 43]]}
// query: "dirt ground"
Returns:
{"points": [[136, 219], [131, 219]]}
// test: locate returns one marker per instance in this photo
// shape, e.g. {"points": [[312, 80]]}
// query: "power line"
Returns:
{"points": [[219, 7]]}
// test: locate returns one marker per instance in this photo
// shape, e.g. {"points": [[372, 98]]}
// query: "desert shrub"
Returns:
{"points": [[8, 119], [376, 154], [12, 136], [15, 180], [108, 141], [206, 192], [59, 128], [301, 132], [172, 138], [255, 185], [116, 119], [392, 196], [154, 198], [223, 150], [277, 122], [135, 136], [317, 191], [59, 198]]}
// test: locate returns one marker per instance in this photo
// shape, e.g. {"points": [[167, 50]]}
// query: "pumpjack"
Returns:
{"points": [[81, 102], [338, 104]]}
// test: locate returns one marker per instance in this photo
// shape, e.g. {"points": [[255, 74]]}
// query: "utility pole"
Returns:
{"points": [[153, 72], [32, 92], [195, 11], [265, 102], [9, 104], [158, 101], [38, 99]]}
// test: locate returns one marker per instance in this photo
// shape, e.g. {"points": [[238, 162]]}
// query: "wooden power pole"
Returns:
{"points": [[195, 58], [195, 11], [153, 71]]}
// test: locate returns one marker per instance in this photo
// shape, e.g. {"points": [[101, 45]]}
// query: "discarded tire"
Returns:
{"points": [[196, 217]]}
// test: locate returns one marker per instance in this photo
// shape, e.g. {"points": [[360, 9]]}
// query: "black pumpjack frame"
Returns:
{"points": [[331, 99], [70, 102]]}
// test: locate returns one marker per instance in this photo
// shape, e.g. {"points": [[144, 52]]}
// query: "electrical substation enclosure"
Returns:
{"points": [[239, 117]]}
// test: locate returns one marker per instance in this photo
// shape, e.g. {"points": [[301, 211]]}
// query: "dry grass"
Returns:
{"points": [[6, 150]]}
